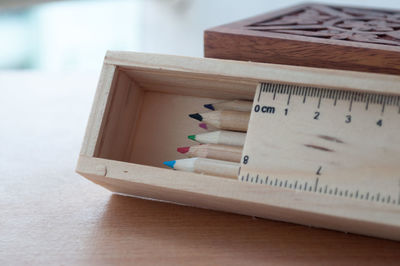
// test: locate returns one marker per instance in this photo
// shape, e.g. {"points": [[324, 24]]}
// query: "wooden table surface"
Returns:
{"points": [[49, 215]]}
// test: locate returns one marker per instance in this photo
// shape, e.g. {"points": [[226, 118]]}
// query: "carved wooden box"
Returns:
{"points": [[313, 35]]}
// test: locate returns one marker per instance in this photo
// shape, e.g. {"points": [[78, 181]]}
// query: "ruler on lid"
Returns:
{"points": [[338, 145]]}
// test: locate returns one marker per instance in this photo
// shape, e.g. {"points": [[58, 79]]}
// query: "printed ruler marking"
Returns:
{"points": [[326, 141], [299, 185]]}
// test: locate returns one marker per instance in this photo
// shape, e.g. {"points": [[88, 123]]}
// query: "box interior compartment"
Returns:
{"points": [[146, 116], [140, 116]]}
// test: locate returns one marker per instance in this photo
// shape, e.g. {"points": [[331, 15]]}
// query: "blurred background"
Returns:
{"points": [[51, 53], [74, 35]]}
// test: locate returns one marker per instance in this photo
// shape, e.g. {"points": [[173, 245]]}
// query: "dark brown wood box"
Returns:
{"points": [[313, 35]]}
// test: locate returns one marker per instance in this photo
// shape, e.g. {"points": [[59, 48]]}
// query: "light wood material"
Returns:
{"points": [[208, 167], [216, 151], [227, 120], [163, 78], [236, 105], [330, 144], [50, 215], [119, 118], [222, 137]]}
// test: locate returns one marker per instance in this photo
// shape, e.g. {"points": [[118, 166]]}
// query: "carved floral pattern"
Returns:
{"points": [[352, 24]]}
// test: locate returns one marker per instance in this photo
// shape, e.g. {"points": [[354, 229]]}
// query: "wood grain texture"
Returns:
{"points": [[49, 215], [211, 192], [313, 35], [335, 154], [143, 175], [222, 137], [179, 71], [227, 120], [121, 120], [216, 151]]}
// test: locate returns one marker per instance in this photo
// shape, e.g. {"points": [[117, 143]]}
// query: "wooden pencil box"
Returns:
{"points": [[313, 35], [139, 117]]}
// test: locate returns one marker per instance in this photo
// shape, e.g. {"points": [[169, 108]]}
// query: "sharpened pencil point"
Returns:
{"points": [[183, 149], [209, 106], [192, 137], [170, 163], [203, 125], [196, 116]]}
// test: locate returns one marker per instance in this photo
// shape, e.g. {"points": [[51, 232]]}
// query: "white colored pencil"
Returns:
{"points": [[206, 166], [220, 137]]}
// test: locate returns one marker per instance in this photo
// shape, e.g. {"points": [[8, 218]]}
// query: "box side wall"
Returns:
{"points": [[93, 127], [120, 118], [245, 72], [233, 196], [146, 117], [239, 45]]}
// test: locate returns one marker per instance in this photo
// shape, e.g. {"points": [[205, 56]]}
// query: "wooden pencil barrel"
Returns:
{"points": [[218, 152], [228, 120], [217, 168]]}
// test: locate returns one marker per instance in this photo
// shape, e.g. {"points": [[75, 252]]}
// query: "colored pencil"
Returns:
{"points": [[206, 166], [220, 137], [228, 120], [236, 105], [213, 151], [203, 125]]}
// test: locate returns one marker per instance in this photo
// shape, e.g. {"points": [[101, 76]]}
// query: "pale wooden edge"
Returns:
{"points": [[98, 108], [234, 196], [259, 72]]}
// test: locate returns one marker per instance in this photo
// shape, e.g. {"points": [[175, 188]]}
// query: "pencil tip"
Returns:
{"points": [[196, 116], [183, 149], [170, 163], [203, 125], [209, 106], [192, 137]]}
